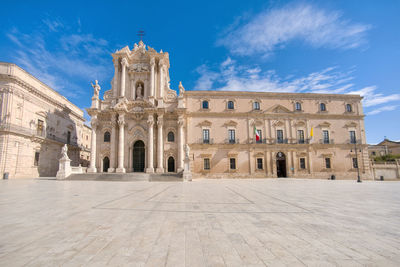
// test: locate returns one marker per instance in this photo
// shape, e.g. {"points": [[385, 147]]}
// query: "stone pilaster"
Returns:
{"points": [[121, 123], [180, 145], [161, 89], [112, 144], [124, 63], [116, 76], [152, 64], [92, 168], [150, 155], [160, 143]]}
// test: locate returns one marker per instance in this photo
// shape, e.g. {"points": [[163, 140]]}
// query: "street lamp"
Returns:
{"points": [[358, 169]]}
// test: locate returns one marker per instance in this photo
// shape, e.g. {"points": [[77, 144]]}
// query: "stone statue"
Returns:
{"points": [[96, 88], [181, 89], [139, 92], [64, 151], [187, 151]]}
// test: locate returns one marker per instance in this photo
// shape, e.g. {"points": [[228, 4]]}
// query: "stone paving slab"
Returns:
{"points": [[262, 222]]}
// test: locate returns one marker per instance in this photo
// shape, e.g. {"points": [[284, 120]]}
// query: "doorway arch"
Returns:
{"points": [[106, 164], [281, 165], [171, 164], [138, 157]]}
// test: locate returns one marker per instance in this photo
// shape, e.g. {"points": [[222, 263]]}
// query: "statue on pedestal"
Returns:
{"points": [[187, 151], [64, 152], [96, 88], [139, 92], [181, 89]]}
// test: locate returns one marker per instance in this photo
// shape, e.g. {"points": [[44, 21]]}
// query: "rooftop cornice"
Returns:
{"points": [[272, 95]]}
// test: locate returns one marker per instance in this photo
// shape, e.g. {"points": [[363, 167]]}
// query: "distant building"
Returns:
{"points": [[142, 125], [386, 147], [35, 122]]}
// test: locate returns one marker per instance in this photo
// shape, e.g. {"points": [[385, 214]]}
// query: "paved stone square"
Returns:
{"points": [[201, 223]]}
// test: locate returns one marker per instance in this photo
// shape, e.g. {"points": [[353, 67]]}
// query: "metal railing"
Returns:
{"points": [[326, 141], [206, 141], [232, 141]]}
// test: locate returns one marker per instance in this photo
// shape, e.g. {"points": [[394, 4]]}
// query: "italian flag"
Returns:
{"points": [[256, 133]]}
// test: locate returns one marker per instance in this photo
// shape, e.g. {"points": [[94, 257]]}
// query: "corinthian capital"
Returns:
{"points": [[160, 122], [150, 121], [124, 62], [94, 124], [121, 121], [181, 121], [152, 61]]}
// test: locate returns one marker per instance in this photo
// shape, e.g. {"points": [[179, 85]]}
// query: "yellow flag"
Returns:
{"points": [[312, 132]]}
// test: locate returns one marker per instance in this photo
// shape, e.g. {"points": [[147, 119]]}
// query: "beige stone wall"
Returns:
{"points": [[35, 118]]}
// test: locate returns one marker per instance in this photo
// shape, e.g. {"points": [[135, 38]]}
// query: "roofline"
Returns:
{"points": [[270, 94]]}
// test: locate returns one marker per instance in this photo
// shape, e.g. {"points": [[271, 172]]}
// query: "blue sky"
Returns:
{"points": [[290, 46]]}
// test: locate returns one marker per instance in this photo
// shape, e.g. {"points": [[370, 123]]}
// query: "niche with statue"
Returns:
{"points": [[139, 90]]}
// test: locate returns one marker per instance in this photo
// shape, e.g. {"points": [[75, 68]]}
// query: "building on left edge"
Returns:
{"points": [[35, 122]]}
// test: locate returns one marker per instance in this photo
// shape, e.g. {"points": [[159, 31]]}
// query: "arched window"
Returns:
{"points": [[171, 137], [322, 107], [205, 104], [349, 108], [298, 106], [231, 105], [256, 105], [107, 137]]}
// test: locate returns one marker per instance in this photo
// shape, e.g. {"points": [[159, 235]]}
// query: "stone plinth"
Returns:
{"points": [[64, 169], [187, 175]]}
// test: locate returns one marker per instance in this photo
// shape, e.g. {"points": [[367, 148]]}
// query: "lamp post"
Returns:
{"points": [[358, 169]]}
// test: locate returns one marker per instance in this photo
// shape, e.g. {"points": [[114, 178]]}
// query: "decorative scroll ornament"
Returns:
{"points": [[140, 67]]}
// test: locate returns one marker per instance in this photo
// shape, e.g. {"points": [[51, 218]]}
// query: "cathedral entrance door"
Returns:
{"points": [[281, 164], [138, 156], [171, 164], [106, 164]]}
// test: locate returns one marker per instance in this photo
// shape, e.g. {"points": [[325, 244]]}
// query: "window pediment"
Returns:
{"points": [[205, 123], [324, 124], [278, 109], [230, 123], [278, 123], [350, 125]]}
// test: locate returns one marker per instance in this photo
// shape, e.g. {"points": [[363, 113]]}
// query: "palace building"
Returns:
{"points": [[35, 122], [142, 125]]}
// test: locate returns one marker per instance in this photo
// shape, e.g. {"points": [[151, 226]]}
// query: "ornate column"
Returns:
{"points": [[133, 89], [180, 145], [150, 155], [124, 63], [160, 143], [112, 144], [152, 63], [116, 75], [92, 168], [121, 123]]}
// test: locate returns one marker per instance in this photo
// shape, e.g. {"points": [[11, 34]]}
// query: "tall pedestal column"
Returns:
{"points": [[92, 168], [124, 63], [160, 143], [121, 123], [180, 145], [112, 144], [150, 156]]}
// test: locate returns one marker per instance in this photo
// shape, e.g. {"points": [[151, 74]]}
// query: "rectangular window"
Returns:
{"points": [[40, 127], [259, 164], [302, 163], [327, 163], [279, 136], [68, 137], [256, 106], [206, 164], [300, 134], [232, 163], [206, 136], [260, 135], [355, 163], [352, 137], [325, 136], [231, 136], [36, 162]]}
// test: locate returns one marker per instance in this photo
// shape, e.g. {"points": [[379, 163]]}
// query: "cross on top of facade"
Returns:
{"points": [[141, 33]]}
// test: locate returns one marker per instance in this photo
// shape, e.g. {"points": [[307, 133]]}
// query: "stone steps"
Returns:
{"points": [[126, 177]]}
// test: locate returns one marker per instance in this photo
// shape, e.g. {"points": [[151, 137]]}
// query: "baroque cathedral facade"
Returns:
{"points": [[142, 125]]}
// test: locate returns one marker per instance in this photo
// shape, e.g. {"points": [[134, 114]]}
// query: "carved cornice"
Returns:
{"points": [[276, 115]]}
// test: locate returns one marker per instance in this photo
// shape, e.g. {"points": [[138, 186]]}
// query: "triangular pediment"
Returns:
{"points": [[300, 124], [205, 123], [230, 123], [324, 124], [278, 109], [351, 124]]}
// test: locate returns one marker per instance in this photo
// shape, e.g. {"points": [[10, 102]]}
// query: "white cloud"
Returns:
{"points": [[231, 76], [274, 28], [381, 109], [60, 63]]}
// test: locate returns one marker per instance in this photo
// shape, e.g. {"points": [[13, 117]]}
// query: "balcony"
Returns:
{"points": [[301, 141], [206, 141], [326, 141], [231, 141]]}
